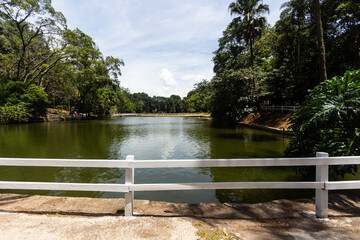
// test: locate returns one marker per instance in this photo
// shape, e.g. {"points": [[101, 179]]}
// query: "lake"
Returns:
{"points": [[148, 138]]}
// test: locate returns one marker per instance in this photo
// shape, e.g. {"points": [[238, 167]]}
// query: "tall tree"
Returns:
{"points": [[250, 22], [36, 43], [91, 71], [320, 41]]}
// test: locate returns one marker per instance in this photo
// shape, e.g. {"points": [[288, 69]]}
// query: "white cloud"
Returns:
{"points": [[167, 77]]}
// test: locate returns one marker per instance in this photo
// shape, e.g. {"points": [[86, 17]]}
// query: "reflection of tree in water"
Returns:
{"points": [[107, 140], [239, 142], [216, 143], [63, 140], [197, 133], [101, 140], [83, 139], [89, 175]]}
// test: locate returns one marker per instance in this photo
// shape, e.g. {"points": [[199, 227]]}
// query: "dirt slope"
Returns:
{"points": [[271, 120]]}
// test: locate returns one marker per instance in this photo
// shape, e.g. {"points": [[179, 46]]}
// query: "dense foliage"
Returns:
{"points": [[18, 100], [256, 62], [198, 99], [44, 63], [329, 121], [13, 113]]}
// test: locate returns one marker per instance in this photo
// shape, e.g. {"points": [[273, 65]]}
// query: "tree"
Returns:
{"points": [[175, 104], [198, 99], [341, 26], [35, 47], [320, 41], [18, 101], [231, 96], [91, 71], [250, 24], [294, 48]]}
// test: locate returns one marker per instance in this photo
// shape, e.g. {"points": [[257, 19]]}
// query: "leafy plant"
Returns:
{"points": [[36, 100], [17, 96], [329, 121], [16, 113]]}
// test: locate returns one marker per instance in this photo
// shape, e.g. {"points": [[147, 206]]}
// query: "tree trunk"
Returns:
{"points": [[252, 53], [320, 40], [252, 68]]}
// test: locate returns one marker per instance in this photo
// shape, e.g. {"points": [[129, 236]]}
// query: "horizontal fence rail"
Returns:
{"points": [[321, 185], [65, 186], [280, 108], [247, 162]]}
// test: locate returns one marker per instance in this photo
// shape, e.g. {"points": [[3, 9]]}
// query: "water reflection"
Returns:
{"points": [[87, 139], [146, 138]]}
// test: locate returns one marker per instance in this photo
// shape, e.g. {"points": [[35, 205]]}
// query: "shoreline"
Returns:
{"points": [[277, 125]]}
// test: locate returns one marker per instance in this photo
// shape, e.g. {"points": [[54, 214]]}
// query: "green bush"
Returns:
{"points": [[329, 121], [31, 98], [36, 100], [15, 113]]}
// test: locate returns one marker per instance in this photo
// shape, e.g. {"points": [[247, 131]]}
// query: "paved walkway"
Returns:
{"points": [[42, 217]]}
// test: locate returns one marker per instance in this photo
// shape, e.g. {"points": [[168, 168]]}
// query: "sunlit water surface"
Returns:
{"points": [[148, 139]]}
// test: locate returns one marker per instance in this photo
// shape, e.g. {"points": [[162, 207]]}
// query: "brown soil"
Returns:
{"points": [[41, 217], [270, 120], [57, 111]]}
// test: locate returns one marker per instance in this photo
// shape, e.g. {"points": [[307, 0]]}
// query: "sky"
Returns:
{"points": [[166, 45]]}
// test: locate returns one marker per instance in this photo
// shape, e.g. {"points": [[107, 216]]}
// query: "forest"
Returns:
{"points": [[45, 64], [255, 62]]}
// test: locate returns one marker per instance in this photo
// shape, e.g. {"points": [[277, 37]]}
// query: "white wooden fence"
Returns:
{"points": [[321, 185], [280, 108]]}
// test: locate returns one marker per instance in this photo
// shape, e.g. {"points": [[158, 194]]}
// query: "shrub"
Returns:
{"points": [[36, 100], [14, 113], [32, 99], [329, 121]]}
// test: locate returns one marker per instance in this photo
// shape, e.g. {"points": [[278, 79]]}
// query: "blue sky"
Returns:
{"points": [[166, 45]]}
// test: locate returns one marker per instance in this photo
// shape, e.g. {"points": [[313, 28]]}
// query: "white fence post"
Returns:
{"points": [[321, 195], [129, 196]]}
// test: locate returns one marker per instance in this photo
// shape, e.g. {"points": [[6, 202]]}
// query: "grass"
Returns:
{"points": [[218, 234]]}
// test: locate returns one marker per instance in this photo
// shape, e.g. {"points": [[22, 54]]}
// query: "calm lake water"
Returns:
{"points": [[148, 139]]}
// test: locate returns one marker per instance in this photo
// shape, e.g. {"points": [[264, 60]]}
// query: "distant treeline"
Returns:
{"points": [[196, 101]]}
